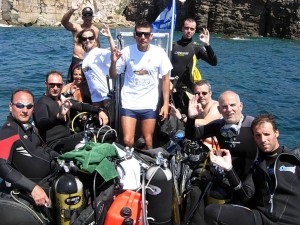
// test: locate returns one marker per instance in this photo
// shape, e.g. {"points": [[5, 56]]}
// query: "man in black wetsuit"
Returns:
{"points": [[51, 115], [233, 132], [25, 161], [273, 183], [182, 60]]}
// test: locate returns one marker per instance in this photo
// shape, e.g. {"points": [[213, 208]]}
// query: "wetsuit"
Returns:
{"points": [[242, 147], [24, 158], [243, 150], [182, 61], [273, 185], [55, 131]]}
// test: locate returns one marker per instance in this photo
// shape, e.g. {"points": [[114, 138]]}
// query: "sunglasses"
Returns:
{"points": [[203, 93], [52, 85], [87, 15], [88, 38], [140, 34], [21, 105]]}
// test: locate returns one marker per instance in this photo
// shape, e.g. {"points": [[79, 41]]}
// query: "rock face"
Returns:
{"points": [[50, 12], [269, 18]]}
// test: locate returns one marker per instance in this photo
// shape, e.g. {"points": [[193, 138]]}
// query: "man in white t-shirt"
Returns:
{"points": [[143, 64]]}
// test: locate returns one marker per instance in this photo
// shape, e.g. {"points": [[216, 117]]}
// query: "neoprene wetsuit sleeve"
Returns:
{"points": [[45, 116], [208, 55], [86, 107], [246, 189], [192, 132], [14, 177], [82, 107]]}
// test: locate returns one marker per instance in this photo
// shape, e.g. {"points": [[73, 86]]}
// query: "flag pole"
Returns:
{"points": [[172, 27]]}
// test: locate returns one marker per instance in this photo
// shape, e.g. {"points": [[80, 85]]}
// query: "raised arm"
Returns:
{"points": [[106, 32], [195, 108], [204, 37], [207, 54], [175, 112], [65, 21], [223, 159], [115, 55]]}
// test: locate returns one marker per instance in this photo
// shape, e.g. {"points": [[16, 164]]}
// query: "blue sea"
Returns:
{"points": [[264, 72]]}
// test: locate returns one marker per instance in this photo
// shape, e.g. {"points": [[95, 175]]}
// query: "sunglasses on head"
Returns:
{"points": [[21, 105], [52, 85], [88, 38], [203, 93], [140, 34]]}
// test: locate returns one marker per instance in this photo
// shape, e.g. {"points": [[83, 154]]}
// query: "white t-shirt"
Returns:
{"points": [[96, 65], [143, 69]]}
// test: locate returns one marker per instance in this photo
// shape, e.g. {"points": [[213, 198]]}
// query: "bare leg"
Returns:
{"points": [[147, 127], [128, 128]]}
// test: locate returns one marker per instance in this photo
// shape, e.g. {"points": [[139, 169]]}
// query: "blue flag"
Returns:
{"points": [[164, 19]]}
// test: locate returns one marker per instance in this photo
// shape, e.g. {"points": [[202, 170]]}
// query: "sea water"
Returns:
{"points": [[264, 72]]}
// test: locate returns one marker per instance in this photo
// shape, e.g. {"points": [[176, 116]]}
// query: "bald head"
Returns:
{"points": [[230, 107], [229, 94]]}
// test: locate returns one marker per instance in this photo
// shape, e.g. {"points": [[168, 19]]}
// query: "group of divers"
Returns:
{"points": [[227, 167]]}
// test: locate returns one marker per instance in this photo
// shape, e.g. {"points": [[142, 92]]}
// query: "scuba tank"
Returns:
{"points": [[129, 169], [159, 192], [68, 194]]}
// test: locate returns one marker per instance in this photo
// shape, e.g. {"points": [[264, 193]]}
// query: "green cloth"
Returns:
{"points": [[93, 157]]}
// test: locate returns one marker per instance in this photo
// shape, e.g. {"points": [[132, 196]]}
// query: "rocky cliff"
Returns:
{"points": [[269, 18], [50, 12]]}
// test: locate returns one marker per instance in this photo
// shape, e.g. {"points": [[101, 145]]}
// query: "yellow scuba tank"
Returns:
{"points": [[68, 196]]}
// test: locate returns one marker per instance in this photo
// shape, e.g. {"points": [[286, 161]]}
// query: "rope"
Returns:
{"points": [[13, 192]]}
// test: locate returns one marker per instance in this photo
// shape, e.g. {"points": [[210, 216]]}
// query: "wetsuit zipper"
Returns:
{"points": [[271, 201], [271, 195]]}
